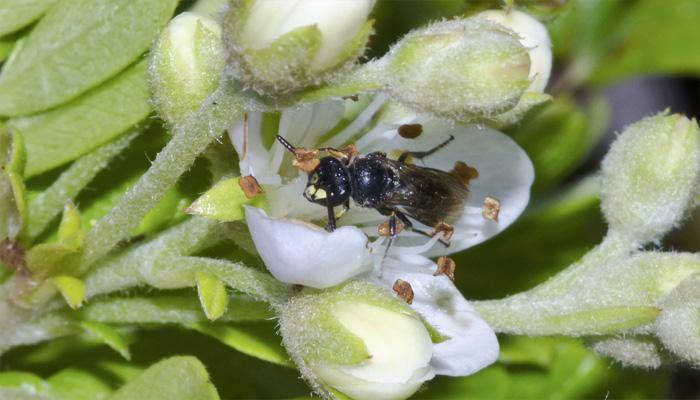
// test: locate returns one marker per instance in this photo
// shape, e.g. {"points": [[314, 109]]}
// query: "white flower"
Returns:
{"points": [[299, 253], [505, 173], [534, 36]]}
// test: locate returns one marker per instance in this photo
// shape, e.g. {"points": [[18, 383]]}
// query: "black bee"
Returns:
{"points": [[395, 188]]}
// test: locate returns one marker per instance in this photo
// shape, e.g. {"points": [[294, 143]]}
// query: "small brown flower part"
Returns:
{"points": [[492, 207], [306, 159], [446, 229], [464, 172], [404, 290], [12, 254], [410, 131], [445, 266], [383, 228], [250, 186]]}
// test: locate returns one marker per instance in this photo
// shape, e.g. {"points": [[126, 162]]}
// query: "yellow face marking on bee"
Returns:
{"points": [[315, 193], [320, 194]]}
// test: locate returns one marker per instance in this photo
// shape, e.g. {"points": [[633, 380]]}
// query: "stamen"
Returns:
{"points": [[404, 290], [492, 207], [445, 266], [358, 123], [250, 186]]}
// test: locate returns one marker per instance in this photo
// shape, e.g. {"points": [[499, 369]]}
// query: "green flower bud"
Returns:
{"points": [[279, 46], [359, 340], [651, 176], [463, 69], [678, 326], [630, 351], [188, 60]]}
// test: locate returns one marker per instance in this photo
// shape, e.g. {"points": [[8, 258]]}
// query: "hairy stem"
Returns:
{"points": [[125, 270], [218, 112]]}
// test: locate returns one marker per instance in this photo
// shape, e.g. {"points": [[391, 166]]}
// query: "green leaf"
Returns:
{"points": [[16, 14], [77, 46], [653, 39], [6, 46], [69, 232], [47, 204], [58, 136], [109, 336], [25, 381], [212, 295], [13, 206], [78, 384], [175, 378], [72, 289], [257, 340], [224, 202], [52, 259]]}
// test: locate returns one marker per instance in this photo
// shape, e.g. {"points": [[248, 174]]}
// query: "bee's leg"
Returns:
{"points": [[330, 227], [409, 225], [422, 154]]}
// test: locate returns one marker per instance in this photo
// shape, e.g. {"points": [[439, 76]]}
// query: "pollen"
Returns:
{"points": [[492, 207]]}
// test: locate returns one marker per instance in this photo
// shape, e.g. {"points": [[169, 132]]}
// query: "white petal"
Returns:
{"points": [[534, 36], [505, 173], [255, 159], [472, 344], [296, 252]]}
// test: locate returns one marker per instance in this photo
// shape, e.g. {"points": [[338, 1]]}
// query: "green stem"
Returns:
{"points": [[49, 203], [220, 110], [124, 271], [365, 78]]}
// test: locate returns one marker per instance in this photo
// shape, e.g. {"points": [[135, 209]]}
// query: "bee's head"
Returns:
{"points": [[329, 183]]}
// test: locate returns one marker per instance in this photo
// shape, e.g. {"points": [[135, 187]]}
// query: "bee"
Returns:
{"points": [[395, 188]]}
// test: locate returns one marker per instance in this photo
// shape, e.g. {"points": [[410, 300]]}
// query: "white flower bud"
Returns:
{"points": [[359, 341], [534, 36], [651, 176], [187, 62], [286, 45], [463, 69]]}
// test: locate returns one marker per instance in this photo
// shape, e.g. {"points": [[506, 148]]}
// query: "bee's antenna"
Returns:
{"points": [[286, 144]]}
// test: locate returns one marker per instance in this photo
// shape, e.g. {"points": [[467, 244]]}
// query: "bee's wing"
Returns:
{"points": [[427, 195]]}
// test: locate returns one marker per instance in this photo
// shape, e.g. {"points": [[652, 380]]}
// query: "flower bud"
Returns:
{"points": [[651, 176], [464, 69], [358, 340], [534, 36], [279, 46], [187, 62], [677, 326]]}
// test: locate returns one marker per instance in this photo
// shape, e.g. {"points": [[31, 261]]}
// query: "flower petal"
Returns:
{"points": [[296, 252], [505, 173], [471, 343]]}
